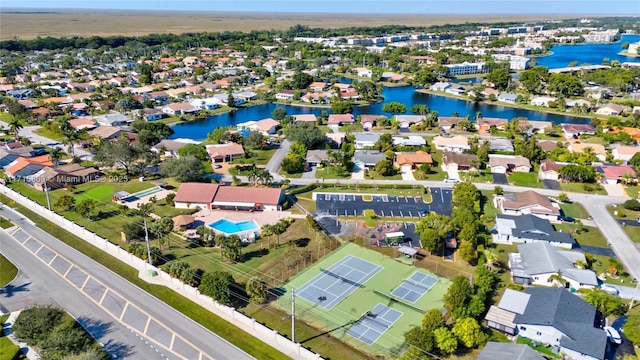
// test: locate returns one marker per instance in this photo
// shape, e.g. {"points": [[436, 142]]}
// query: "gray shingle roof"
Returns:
{"points": [[368, 157], [532, 227], [569, 314], [510, 351], [543, 258]]}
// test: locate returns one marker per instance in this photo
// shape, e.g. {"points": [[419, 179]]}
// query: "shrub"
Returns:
{"points": [[303, 189], [632, 204]]}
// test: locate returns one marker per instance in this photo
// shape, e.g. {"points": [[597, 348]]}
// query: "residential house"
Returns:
{"points": [[411, 140], [453, 161], [547, 145], [368, 121], [499, 350], [366, 140], [456, 144], [367, 159], [318, 86], [613, 174], [575, 130], [448, 123], [305, 118], [392, 77], [484, 125], [597, 149], [210, 103], [213, 196], [501, 164], [405, 121], [362, 72], [633, 132], [266, 126], [610, 109], [82, 124], [535, 127], [529, 228], [439, 86], [500, 144], [113, 119], [341, 119], [543, 100], [168, 147], [152, 114], [527, 202], [549, 170], [457, 90], [27, 167], [7, 157], [537, 263], [225, 152], [554, 317], [579, 102], [64, 175], [625, 153], [181, 108], [106, 132], [508, 97], [413, 159], [316, 157]]}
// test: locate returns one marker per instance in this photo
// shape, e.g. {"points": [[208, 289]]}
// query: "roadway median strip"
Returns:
{"points": [[122, 310]]}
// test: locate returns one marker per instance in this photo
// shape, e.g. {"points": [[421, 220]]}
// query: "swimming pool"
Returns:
{"points": [[230, 227]]}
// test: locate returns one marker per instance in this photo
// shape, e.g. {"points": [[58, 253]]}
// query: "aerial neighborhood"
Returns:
{"points": [[411, 192]]}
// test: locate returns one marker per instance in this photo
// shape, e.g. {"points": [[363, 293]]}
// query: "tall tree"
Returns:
{"points": [[217, 284], [257, 290]]}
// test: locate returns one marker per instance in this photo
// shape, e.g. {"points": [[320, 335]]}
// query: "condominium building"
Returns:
{"points": [[466, 68]]}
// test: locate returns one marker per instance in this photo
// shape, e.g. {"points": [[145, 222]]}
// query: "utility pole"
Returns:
{"points": [[293, 315], [46, 191], [146, 239]]}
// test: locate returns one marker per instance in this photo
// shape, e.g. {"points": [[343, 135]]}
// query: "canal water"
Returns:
{"points": [[562, 56]]}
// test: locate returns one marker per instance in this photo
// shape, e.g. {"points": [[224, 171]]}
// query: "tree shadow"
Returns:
{"points": [[10, 290], [95, 327], [254, 254], [102, 215], [301, 242], [328, 332], [118, 350]]}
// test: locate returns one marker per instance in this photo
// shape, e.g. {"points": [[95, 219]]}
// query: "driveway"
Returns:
{"points": [[552, 185], [615, 190], [500, 179], [383, 205], [276, 160], [311, 174], [407, 172], [358, 173], [597, 250]]}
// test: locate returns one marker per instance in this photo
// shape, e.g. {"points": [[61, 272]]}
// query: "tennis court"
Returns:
{"points": [[414, 287], [334, 284], [374, 323]]}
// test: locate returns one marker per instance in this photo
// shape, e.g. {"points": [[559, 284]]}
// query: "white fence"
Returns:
{"points": [[250, 325]]}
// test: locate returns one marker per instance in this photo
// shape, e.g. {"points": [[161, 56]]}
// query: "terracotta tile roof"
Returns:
{"points": [[419, 157], [223, 150], [82, 123], [255, 195], [617, 172], [196, 193], [341, 118], [579, 147]]}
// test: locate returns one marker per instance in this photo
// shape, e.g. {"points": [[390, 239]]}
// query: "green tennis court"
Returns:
{"points": [[350, 318]]}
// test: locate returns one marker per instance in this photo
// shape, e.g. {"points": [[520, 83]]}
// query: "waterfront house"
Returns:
{"points": [[466, 68], [287, 95], [484, 125], [405, 121], [509, 98], [537, 263], [554, 317], [182, 108], [448, 123], [457, 90], [610, 109], [266, 126], [368, 121], [113, 119], [456, 144], [225, 152], [305, 118], [542, 100], [439, 86], [529, 228], [168, 147], [575, 130], [362, 72]]}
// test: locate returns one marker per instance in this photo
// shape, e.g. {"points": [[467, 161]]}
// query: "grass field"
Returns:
{"points": [[4, 223], [525, 179], [339, 319], [591, 236], [632, 191], [8, 350], [8, 271], [580, 188], [574, 210]]}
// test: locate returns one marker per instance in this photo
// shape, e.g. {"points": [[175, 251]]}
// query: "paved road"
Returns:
{"points": [[28, 132], [274, 163], [36, 284], [143, 312]]}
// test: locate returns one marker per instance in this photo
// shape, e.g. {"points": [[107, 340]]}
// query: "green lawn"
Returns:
{"points": [[54, 135], [258, 157], [629, 215], [167, 295], [574, 210], [600, 267], [479, 176], [632, 191], [8, 271], [373, 175], [546, 350], [4, 223], [591, 236], [9, 350], [529, 179], [291, 176], [584, 188], [330, 173], [633, 232], [489, 211]]}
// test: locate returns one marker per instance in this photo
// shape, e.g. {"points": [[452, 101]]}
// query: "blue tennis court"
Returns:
{"points": [[334, 284], [414, 287], [374, 323]]}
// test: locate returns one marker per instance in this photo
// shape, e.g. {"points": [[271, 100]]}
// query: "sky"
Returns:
{"points": [[594, 7]]}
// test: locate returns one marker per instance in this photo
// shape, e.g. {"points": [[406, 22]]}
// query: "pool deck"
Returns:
{"points": [[206, 217]]}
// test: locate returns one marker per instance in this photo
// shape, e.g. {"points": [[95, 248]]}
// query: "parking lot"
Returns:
{"points": [[384, 205]]}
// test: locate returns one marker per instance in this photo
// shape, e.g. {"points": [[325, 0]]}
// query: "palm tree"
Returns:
{"points": [[265, 178], [491, 257], [55, 154], [265, 231], [558, 279], [71, 137], [145, 210], [15, 126]]}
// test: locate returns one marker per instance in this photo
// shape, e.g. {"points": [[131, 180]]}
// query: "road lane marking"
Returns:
{"points": [[107, 288], [68, 270], [173, 337]]}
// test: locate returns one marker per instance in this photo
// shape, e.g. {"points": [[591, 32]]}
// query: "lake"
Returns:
{"points": [[561, 57], [587, 53]]}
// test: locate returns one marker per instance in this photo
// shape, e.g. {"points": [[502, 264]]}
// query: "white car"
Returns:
{"points": [[613, 334], [609, 289], [450, 180]]}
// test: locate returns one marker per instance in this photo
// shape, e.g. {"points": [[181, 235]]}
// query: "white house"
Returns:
{"points": [[456, 144], [542, 100], [113, 119], [362, 72], [625, 153], [440, 86], [524, 229], [537, 263], [366, 140], [610, 109], [501, 164], [266, 126], [209, 103], [466, 68]]}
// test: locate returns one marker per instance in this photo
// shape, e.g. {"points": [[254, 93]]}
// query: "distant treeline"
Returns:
{"points": [[263, 37]]}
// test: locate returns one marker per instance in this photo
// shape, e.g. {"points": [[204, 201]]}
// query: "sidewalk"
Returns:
{"points": [[6, 329]]}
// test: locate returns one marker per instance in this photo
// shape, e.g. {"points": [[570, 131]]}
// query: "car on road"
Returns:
{"points": [[566, 219], [609, 289], [613, 335], [450, 180]]}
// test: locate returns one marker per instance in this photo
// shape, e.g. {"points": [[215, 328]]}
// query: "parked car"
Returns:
{"points": [[217, 166], [613, 334], [566, 218], [609, 289], [449, 180]]}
